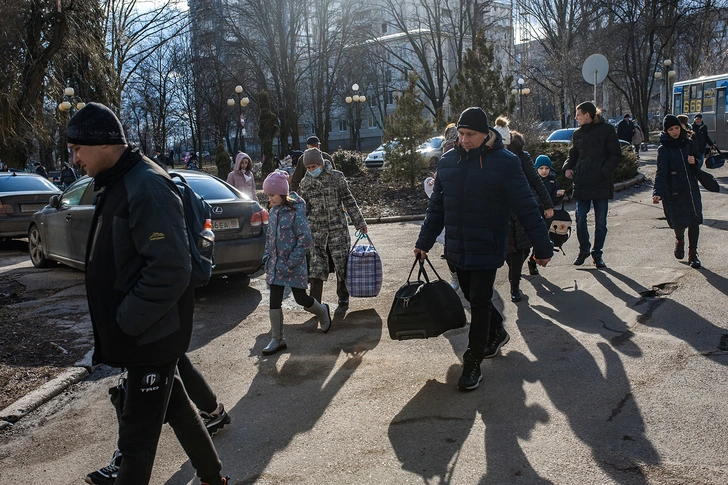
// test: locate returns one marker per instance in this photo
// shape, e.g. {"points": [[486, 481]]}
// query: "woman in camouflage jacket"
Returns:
{"points": [[327, 195]]}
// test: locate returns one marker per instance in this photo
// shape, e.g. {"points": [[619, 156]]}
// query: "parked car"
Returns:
{"points": [[564, 136], [21, 195], [59, 232], [375, 160], [431, 150]]}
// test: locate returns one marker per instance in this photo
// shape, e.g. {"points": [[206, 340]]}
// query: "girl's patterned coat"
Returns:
{"points": [[286, 244], [326, 197]]}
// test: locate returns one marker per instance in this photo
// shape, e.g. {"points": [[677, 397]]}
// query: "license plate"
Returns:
{"points": [[223, 224]]}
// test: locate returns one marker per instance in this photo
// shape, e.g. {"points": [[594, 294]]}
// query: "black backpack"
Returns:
{"points": [[559, 227], [202, 243]]}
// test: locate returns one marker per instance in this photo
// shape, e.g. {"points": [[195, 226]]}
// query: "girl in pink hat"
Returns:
{"points": [[287, 241]]}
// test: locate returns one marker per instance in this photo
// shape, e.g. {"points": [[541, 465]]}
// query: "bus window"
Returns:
{"points": [[696, 98], [709, 97]]}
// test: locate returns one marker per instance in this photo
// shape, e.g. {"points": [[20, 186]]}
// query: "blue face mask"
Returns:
{"points": [[315, 173]]}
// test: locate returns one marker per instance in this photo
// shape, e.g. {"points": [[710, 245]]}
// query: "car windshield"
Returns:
{"points": [[560, 135], [435, 142], [210, 189], [26, 184]]}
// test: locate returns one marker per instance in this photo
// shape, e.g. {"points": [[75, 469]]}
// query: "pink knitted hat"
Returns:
{"points": [[276, 183]]}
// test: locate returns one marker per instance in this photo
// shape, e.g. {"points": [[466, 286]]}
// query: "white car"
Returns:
{"points": [[375, 160], [431, 151]]}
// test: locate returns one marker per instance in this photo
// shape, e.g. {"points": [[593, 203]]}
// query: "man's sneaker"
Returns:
{"points": [[599, 262], [106, 475], [580, 259], [497, 340], [532, 267], [216, 420], [471, 372]]}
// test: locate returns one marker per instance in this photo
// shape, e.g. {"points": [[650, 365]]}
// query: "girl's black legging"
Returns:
{"points": [[515, 265], [693, 235], [276, 297]]}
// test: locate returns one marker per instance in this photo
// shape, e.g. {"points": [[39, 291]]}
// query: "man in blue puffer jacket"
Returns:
{"points": [[476, 188]]}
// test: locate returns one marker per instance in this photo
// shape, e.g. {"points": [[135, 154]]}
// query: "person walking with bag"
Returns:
{"points": [[477, 186], [701, 138], [327, 196], [287, 241], [676, 186]]}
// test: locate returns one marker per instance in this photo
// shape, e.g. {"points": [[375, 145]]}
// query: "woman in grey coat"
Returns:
{"points": [[327, 197]]}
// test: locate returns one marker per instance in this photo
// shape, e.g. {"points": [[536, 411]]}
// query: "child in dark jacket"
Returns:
{"points": [[545, 170], [287, 241]]}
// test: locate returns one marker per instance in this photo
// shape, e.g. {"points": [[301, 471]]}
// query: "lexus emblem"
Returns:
{"points": [[217, 209]]}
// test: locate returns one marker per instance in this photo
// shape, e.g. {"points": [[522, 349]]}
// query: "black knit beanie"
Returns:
{"points": [[95, 124], [474, 119], [670, 120]]}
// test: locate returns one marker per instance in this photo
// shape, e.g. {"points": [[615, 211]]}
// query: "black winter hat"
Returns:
{"points": [[670, 120], [95, 124], [474, 119], [313, 141]]}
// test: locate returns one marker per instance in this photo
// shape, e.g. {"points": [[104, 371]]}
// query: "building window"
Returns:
{"points": [[343, 125], [372, 124], [384, 28]]}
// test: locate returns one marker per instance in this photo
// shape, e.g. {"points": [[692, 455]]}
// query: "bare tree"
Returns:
{"points": [[563, 27], [273, 46], [128, 30], [642, 35]]}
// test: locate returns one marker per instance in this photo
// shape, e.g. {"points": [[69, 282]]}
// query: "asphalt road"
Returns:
{"points": [[610, 377]]}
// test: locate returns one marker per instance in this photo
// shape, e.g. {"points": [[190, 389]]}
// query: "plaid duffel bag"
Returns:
{"points": [[363, 269]]}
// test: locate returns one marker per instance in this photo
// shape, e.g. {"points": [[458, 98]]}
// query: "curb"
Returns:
{"points": [[45, 393], [419, 217]]}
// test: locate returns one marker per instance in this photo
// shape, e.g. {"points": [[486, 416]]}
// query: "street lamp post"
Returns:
{"points": [[668, 73], [242, 102], [521, 92], [65, 106], [356, 99]]}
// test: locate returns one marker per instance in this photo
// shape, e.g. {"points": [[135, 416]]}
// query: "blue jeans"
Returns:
{"points": [[601, 207]]}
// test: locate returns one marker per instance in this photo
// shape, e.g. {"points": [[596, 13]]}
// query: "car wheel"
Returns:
{"points": [[35, 248]]}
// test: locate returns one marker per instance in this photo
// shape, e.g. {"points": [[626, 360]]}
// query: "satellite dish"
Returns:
{"points": [[595, 70]]}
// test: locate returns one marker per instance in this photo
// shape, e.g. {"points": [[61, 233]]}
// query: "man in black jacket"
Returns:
{"points": [[477, 186], [701, 137], [138, 270], [626, 129], [593, 157], [300, 171]]}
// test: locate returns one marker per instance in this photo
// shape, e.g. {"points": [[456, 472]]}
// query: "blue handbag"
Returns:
{"points": [[715, 159]]}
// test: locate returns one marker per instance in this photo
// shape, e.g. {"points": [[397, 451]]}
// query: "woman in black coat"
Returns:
{"points": [[677, 187]]}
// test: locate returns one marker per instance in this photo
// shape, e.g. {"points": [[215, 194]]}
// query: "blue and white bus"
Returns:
{"points": [[704, 95]]}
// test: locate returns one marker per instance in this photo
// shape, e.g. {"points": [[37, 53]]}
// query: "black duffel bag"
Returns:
{"points": [[423, 309], [715, 158]]}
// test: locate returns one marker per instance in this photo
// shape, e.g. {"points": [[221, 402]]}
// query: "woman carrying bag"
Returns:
{"points": [[676, 185]]}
